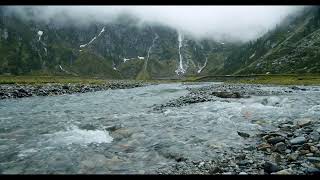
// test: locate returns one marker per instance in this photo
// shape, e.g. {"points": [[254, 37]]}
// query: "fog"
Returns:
{"points": [[216, 22]]}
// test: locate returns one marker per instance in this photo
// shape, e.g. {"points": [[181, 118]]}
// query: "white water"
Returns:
{"points": [[114, 66], [201, 68], [93, 39], [180, 68], [252, 55], [36, 140], [45, 49], [79, 136], [153, 41]]}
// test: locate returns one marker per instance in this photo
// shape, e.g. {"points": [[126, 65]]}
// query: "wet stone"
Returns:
{"points": [[293, 157], [263, 146], [242, 134], [274, 140], [313, 149], [280, 147], [314, 159], [304, 122], [298, 140], [284, 172], [270, 167]]}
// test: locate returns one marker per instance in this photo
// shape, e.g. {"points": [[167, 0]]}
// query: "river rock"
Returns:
{"points": [[121, 133], [227, 94], [315, 136], [298, 140], [312, 170], [263, 146], [293, 157], [275, 140], [288, 151], [304, 152], [280, 147], [314, 159], [313, 149], [304, 122], [270, 167], [114, 127], [242, 134], [284, 172]]}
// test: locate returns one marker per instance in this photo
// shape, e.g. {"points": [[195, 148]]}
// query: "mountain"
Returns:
{"points": [[121, 49], [292, 47], [128, 49]]}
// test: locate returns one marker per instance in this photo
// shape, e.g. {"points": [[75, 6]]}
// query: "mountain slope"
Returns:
{"points": [[128, 49], [293, 47]]}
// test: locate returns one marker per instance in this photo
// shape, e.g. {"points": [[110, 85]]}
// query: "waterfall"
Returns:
{"points": [[180, 68], [149, 50], [201, 68], [94, 38]]}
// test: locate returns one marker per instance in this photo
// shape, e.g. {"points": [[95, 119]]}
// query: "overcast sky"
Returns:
{"points": [[239, 22]]}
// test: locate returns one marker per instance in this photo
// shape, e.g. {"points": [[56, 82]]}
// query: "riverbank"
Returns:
{"points": [[274, 79], [8, 91]]}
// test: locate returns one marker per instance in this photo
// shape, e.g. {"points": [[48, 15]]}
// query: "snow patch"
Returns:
{"points": [[125, 60], [140, 57], [40, 33]]}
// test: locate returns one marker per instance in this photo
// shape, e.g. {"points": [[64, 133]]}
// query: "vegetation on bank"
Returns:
{"points": [[281, 79], [250, 79], [284, 80]]}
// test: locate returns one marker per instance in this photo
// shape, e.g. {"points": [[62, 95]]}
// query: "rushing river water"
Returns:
{"points": [[67, 134]]}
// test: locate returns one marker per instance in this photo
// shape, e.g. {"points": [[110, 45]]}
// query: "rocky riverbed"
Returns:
{"points": [[291, 147], [200, 128], [8, 91], [224, 92]]}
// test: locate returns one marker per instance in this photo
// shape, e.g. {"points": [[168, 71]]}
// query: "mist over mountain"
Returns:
{"points": [[215, 22]]}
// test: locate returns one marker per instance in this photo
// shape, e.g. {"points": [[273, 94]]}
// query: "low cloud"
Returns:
{"points": [[216, 22]]}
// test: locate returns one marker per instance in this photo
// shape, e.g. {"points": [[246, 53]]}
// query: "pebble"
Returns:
{"points": [[293, 157], [270, 167], [284, 172], [263, 146], [303, 122], [288, 151], [280, 147], [275, 140], [314, 159], [244, 135], [298, 140]]}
